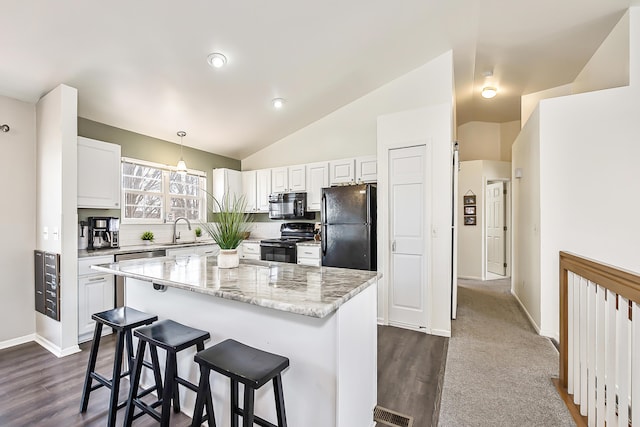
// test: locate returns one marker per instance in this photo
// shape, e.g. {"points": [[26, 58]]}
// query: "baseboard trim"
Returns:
{"points": [[54, 349], [471, 278], [526, 312], [574, 409], [17, 341], [441, 333]]}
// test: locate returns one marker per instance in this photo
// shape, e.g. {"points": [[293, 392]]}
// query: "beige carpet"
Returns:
{"points": [[498, 370]]}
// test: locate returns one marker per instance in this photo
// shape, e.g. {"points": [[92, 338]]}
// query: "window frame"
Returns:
{"points": [[164, 193]]}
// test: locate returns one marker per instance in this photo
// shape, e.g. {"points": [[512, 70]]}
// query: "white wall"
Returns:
{"points": [[525, 196], [609, 66], [17, 219], [473, 178], [487, 141], [351, 130], [528, 103], [56, 170], [588, 154]]}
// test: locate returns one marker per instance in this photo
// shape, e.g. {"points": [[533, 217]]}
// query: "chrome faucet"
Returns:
{"points": [[177, 236]]}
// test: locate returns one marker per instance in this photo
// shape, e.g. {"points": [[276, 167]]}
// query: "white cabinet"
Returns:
{"points": [[226, 182], [95, 294], [249, 189], [317, 179], [209, 250], [286, 179], [279, 180], [297, 178], [98, 174], [342, 171], [308, 255], [263, 189], [250, 250], [366, 169]]}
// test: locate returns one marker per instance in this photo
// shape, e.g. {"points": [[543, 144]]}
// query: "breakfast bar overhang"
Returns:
{"points": [[323, 319]]}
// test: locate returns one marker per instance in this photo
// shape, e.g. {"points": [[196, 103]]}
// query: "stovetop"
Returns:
{"points": [[286, 240]]}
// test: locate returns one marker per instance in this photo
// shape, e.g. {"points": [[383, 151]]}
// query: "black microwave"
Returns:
{"points": [[289, 206]]}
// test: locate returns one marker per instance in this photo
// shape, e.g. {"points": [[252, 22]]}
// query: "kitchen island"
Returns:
{"points": [[323, 319]]}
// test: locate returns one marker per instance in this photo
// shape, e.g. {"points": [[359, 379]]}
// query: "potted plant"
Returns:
{"points": [[147, 237], [198, 233], [229, 228]]}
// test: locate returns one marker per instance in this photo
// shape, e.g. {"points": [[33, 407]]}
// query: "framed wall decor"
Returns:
{"points": [[470, 199], [470, 220], [469, 210]]}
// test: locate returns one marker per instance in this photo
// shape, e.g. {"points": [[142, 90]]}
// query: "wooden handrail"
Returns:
{"points": [[621, 282]]}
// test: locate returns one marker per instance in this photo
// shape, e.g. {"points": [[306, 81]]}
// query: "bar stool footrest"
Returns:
{"points": [[102, 381], [256, 419]]}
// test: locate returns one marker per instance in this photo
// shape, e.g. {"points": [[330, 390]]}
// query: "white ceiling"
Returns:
{"points": [[141, 65]]}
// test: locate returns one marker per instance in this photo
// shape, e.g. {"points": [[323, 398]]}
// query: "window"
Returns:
{"points": [[154, 194]]}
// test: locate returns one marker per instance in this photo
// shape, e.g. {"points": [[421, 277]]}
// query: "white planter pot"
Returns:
{"points": [[228, 258]]}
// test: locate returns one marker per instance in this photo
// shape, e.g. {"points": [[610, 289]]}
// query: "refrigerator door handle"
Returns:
{"points": [[323, 239]]}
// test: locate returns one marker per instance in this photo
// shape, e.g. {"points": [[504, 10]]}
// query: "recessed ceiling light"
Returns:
{"points": [[489, 92], [217, 60], [277, 103]]}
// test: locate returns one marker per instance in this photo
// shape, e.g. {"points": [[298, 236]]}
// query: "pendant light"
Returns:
{"points": [[182, 166]]}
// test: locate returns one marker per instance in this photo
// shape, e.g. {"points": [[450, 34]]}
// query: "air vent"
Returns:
{"points": [[391, 418]]}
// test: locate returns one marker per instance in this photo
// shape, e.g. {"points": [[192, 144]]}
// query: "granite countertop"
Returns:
{"points": [[309, 243], [305, 290]]}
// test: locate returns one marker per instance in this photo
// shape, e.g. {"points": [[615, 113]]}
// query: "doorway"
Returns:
{"points": [[497, 229]]}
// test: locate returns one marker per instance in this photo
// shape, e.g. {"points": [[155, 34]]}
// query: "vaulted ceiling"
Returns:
{"points": [[142, 66]]}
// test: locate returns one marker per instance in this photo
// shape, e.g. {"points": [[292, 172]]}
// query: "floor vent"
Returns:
{"points": [[391, 418]]}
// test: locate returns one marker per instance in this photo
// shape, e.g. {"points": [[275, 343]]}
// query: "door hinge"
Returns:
{"points": [[504, 228], [504, 191], [393, 246], [505, 265]]}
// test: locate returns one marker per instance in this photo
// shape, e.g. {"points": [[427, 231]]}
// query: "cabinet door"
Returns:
{"points": [[226, 182], [279, 180], [98, 174], [317, 179], [249, 190], [95, 294], [342, 171], [297, 178], [263, 185], [251, 250], [366, 169]]}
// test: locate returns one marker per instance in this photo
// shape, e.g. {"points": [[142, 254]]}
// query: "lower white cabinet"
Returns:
{"points": [[309, 255], [212, 250], [95, 294], [250, 250]]}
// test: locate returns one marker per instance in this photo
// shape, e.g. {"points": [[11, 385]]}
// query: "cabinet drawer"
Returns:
{"points": [[308, 252], [309, 261], [84, 264], [251, 249]]}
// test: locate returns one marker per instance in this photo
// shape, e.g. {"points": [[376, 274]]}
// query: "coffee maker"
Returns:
{"points": [[103, 233]]}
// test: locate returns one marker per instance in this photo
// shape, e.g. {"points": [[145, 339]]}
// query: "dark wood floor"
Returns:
{"points": [[38, 389], [410, 373]]}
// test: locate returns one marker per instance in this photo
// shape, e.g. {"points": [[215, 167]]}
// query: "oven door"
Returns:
{"points": [[278, 252]]}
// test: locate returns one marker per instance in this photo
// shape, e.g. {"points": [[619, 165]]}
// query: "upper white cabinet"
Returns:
{"points": [[98, 174], [279, 180], [226, 182], [263, 189], [342, 171], [286, 179], [249, 189], [317, 179], [298, 178], [366, 169]]}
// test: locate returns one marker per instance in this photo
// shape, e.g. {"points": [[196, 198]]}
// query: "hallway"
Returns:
{"points": [[498, 369]]}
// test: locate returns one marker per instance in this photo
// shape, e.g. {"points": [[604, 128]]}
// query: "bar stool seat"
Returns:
{"points": [[172, 337], [249, 366], [123, 320]]}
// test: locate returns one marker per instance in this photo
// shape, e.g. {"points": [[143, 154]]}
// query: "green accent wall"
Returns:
{"points": [[142, 147]]}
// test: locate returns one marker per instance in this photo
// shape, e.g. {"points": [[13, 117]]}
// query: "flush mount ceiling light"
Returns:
{"points": [[277, 103], [217, 60], [489, 92], [182, 166]]}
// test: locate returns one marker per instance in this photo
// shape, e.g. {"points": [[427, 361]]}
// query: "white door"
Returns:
{"points": [[495, 228], [408, 266]]}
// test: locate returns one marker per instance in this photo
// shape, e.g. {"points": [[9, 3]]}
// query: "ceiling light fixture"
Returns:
{"points": [[489, 92], [182, 166], [217, 60], [277, 103]]}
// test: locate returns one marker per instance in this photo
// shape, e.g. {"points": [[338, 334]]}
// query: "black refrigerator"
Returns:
{"points": [[349, 227]]}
